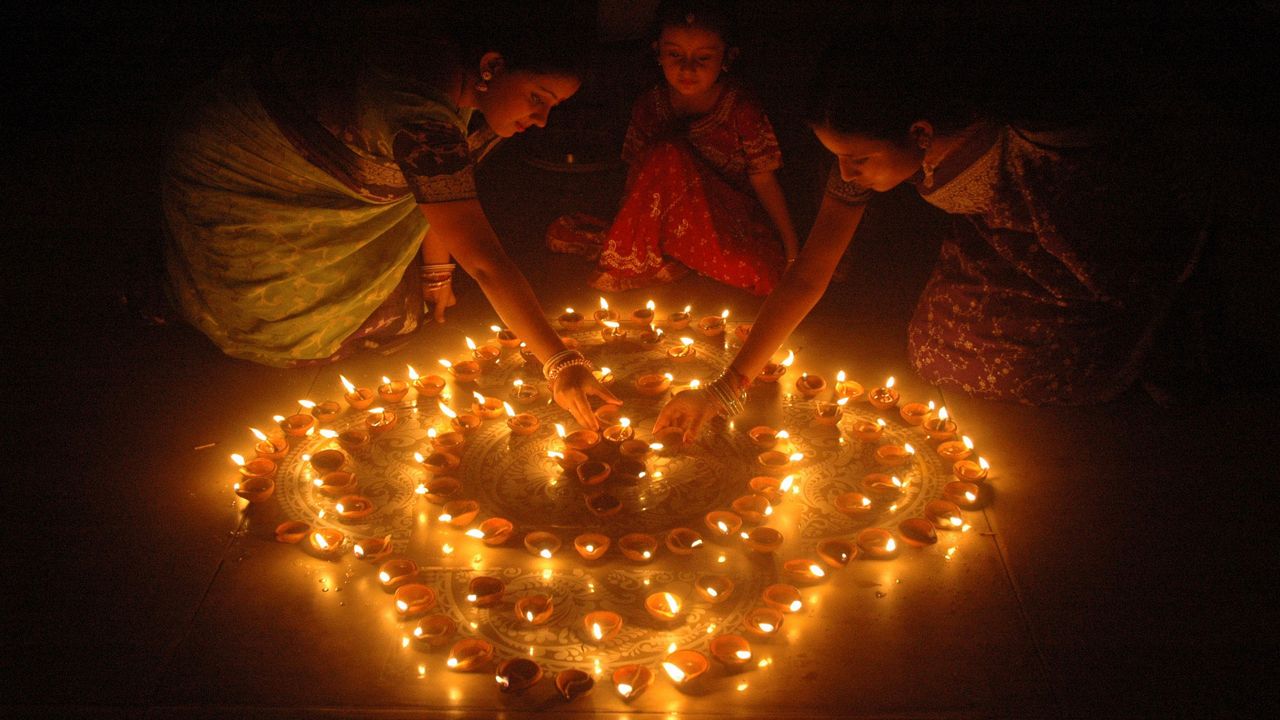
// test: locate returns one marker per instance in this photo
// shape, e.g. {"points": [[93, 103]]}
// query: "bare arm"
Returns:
{"points": [[769, 193]]}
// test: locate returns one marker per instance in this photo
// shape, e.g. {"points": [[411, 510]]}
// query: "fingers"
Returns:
{"points": [[439, 310], [695, 423], [604, 394]]}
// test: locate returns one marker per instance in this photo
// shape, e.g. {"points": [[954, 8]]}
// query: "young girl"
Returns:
{"points": [[701, 192]]}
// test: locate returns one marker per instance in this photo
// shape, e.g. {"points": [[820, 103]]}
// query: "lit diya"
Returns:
{"points": [[464, 423], [671, 440], [632, 680], [876, 543], [521, 424], [962, 493], [581, 440], [428, 386], [535, 609], [612, 332], [914, 413], [683, 541], [571, 320], [336, 484], [941, 428], [256, 469], [803, 570], [542, 544], [484, 591], [953, 451], [882, 486], [683, 352], [328, 460], [828, 413], [488, 408], [357, 398], [604, 314], [602, 625], [970, 471], [810, 385], [638, 547], [773, 371], [723, 524], [884, 397], [485, 355], [379, 420], [493, 532], [763, 621], [438, 463], [326, 411], [650, 338], [353, 440], [353, 507], [774, 461], [621, 432], [450, 442], [291, 531], [506, 338], [894, 455], [298, 424], [685, 666], [459, 513], [768, 487], [854, 504], [373, 548], [392, 391], [764, 539], [836, 552], [917, 532], [524, 394], [732, 650], [517, 674], [568, 460], [652, 384], [634, 449], [663, 606], [713, 325], [782, 597], [713, 588], [274, 449], [573, 683], [435, 630], [414, 599], [440, 489], [591, 546], [469, 655], [753, 509], [327, 542], [644, 315], [396, 572], [679, 320], [846, 388], [867, 431], [464, 371], [944, 514]]}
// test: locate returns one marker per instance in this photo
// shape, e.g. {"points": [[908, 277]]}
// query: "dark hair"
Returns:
{"points": [[710, 15], [554, 37]]}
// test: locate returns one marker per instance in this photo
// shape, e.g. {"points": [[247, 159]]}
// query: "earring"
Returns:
{"points": [[485, 77], [927, 167]]}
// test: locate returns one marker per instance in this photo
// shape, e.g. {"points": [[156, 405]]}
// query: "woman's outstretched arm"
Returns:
{"points": [[769, 193]]}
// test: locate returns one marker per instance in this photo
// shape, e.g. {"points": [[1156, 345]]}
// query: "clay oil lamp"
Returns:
{"points": [[593, 472], [653, 384], [604, 314], [602, 625], [440, 489], [535, 609], [828, 413], [606, 377], [763, 621], [464, 371], [573, 683], [451, 442], [581, 440], [354, 440], [894, 455], [629, 472], [644, 315], [469, 655], [876, 543], [917, 532], [396, 572], [591, 546], [685, 666], [836, 552], [712, 326], [488, 408], [670, 440], [571, 320], [810, 385], [753, 509], [683, 541], [782, 597], [776, 462], [638, 450], [733, 651], [638, 547], [326, 411], [255, 490], [373, 548], [459, 513], [882, 486], [914, 413], [867, 431], [541, 544], [521, 424], [684, 352], [435, 630], [392, 391], [485, 591], [713, 588], [884, 397], [632, 680], [414, 599], [258, 468], [328, 460], [723, 524], [612, 332], [603, 504], [428, 386], [326, 542], [517, 674], [523, 394], [464, 423], [803, 570], [970, 471], [663, 606], [485, 355], [846, 388], [492, 532], [773, 371], [953, 451], [438, 463], [944, 514], [336, 484], [273, 449], [291, 531], [569, 460], [767, 487], [379, 420], [619, 433], [940, 429], [742, 332], [506, 338], [299, 424], [764, 540], [608, 414], [763, 437], [650, 338], [357, 398], [353, 507], [679, 320], [854, 504], [963, 494]]}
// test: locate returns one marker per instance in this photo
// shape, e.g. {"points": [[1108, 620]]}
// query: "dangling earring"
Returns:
{"points": [[483, 85], [927, 167]]}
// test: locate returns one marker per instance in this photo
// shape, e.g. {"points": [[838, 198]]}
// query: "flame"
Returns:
{"points": [[545, 552], [258, 434], [506, 406], [817, 571], [866, 501], [358, 550], [840, 376], [376, 411], [723, 528], [386, 380], [982, 463], [896, 482], [560, 431], [674, 671], [568, 310], [724, 314], [646, 554], [650, 306], [445, 363], [453, 662], [238, 459], [528, 615], [347, 384], [910, 450], [889, 383], [967, 442], [783, 435], [942, 413], [445, 517], [891, 545], [320, 542], [696, 543], [402, 606], [672, 602], [495, 328], [479, 398], [656, 447], [330, 434], [307, 404], [795, 607], [713, 592], [686, 341], [596, 632], [695, 384], [880, 422], [554, 454], [786, 483], [591, 548], [768, 510], [448, 411], [605, 372], [471, 597], [471, 344], [790, 358], [842, 402], [604, 304], [625, 422], [611, 324], [278, 418], [797, 457], [431, 433], [669, 377], [624, 689], [340, 508], [766, 627], [743, 654], [476, 533], [413, 374]]}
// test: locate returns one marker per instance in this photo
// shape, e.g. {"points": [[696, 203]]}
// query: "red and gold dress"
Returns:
{"points": [[689, 204]]}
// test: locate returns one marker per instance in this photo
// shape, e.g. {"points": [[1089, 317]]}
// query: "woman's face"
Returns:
{"points": [[691, 59], [519, 99], [869, 162]]}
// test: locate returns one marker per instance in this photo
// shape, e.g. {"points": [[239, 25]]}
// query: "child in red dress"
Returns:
{"points": [[701, 192]]}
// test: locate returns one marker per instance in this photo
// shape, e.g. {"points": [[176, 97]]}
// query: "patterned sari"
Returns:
{"points": [[291, 203]]}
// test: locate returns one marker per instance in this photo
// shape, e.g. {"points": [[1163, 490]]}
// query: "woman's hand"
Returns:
{"points": [[572, 390], [439, 299], [688, 410]]}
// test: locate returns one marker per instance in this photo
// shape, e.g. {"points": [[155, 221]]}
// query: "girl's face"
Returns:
{"points": [[518, 99], [869, 162], [691, 59]]}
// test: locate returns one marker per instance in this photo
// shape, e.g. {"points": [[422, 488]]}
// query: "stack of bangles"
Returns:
{"points": [[562, 360], [435, 277], [729, 390]]}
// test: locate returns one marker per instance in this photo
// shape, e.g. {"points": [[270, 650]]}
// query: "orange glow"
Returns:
{"points": [[448, 411], [347, 384]]}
